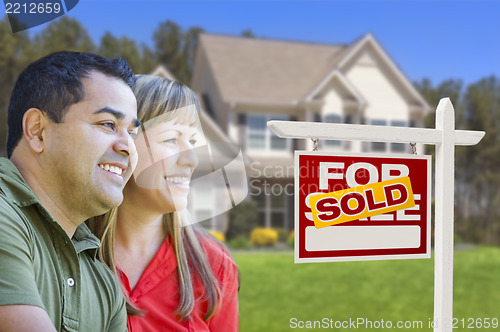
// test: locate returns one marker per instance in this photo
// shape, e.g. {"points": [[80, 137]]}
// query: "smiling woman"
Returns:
{"points": [[167, 159], [174, 274]]}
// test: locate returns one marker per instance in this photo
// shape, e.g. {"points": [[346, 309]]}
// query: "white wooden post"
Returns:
{"points": [[445, 137], [444, 205]]}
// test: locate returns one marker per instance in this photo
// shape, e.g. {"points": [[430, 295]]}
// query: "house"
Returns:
{"points": [[245, 82]]}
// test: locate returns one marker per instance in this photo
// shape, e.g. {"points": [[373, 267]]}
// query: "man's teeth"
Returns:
{"points": [[112, 169], [177, 179]]}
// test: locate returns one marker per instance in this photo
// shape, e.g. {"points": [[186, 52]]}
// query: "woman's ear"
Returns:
{"points": [[33, 126]]}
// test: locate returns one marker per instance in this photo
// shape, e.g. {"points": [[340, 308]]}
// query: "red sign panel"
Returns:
{"points": [[359, 207]]}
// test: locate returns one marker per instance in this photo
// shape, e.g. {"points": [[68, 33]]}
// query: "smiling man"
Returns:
{"points": [[72, 118]]}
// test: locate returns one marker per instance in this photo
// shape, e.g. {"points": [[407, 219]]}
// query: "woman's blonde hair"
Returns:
{"points": [[158, 96]]}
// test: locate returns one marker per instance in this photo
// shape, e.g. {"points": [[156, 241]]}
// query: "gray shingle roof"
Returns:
{"points": [[268, 71]]}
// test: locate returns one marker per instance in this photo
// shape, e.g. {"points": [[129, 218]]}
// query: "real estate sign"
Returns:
{"points": [[361, 207]]}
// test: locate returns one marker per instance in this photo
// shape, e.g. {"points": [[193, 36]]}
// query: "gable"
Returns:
{"points": [[385, 96], [378, 78], [339, 85]]}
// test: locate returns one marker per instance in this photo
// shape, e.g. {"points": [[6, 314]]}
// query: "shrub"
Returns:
{"points": [[218, 235], [282, 234], [291, 239], [239, 242], [264, 237], [242, 219]]}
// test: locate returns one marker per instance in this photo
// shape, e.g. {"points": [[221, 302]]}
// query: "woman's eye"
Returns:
{"points": [[193, 142], [170, 141]]}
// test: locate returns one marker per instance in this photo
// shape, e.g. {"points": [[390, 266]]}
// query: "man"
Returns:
{"points": [[71, 119]]}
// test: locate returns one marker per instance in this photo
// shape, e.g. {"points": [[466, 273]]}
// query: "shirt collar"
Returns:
{"points": [[84, 239]]}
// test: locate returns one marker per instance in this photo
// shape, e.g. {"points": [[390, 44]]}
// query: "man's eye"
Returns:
{"points": [[110, 125], [133, 134]]}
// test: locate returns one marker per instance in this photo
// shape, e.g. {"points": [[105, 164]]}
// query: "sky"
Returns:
{"points": [[432, 39]]}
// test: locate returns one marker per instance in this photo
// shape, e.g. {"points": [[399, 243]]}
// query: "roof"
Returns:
{"points": [[271, 71], [162, 71], [277, 72]]}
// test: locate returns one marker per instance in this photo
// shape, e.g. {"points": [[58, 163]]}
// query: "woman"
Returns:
{"points": [[175, 277]]}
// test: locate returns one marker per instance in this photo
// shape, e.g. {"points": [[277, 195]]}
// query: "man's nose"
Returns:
{"points": [[124, 144]]}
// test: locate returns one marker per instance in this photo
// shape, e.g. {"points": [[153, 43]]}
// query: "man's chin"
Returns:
{"points": [[110, 202]]}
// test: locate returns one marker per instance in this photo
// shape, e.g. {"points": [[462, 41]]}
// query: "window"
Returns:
{"points": [[278, 205], [256, 132], [260, 138], [271, 206], [278, 143], [278, 219], [379, 146], [392, 147], [333, 118], [259, 197], [278, 200], [398, 147]]}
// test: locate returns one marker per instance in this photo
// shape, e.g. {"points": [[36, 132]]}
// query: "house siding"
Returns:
{"points": [[205, 84], [383, 99]]}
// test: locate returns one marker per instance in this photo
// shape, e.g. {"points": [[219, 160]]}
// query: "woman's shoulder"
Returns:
{"points": [[222, 263], [213, 248], [217, 253]]}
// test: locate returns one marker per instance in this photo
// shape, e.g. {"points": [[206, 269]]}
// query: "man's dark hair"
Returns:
{"points": [[53, 83]]}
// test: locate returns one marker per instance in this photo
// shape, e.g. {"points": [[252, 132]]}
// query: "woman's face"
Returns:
{"points": [[166, 163]]}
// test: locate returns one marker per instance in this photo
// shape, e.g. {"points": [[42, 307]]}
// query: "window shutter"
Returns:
{"points": [[295, 142], [242, 130], [208, 105], [242, 119]]}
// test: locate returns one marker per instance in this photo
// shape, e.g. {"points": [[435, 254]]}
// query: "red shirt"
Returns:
{"points": [[157, 294]]}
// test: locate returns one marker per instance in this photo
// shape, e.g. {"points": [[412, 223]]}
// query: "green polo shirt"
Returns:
{"points": [[41, 266]]}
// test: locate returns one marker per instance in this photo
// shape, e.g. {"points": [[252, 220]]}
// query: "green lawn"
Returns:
{"points": [[274, 290]]}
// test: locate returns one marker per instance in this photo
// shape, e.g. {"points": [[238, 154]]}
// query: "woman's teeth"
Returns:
{"points": [[112, 169], [177, 179]]}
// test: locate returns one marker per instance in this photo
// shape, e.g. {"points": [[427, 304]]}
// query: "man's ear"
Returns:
{"points": [[34, 121]]}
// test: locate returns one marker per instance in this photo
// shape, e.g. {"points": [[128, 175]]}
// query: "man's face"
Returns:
{"points": [[89, 157]]}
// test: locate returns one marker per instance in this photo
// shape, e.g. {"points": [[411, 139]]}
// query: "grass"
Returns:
{"points": [[274, 289]]}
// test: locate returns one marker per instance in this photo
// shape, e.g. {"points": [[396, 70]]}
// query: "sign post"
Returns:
{"points": [[445, 137], [445, 190]]}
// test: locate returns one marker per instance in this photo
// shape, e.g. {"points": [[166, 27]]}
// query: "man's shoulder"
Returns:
{"points": [[10, 214], [17, 274], [8, 170]]}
